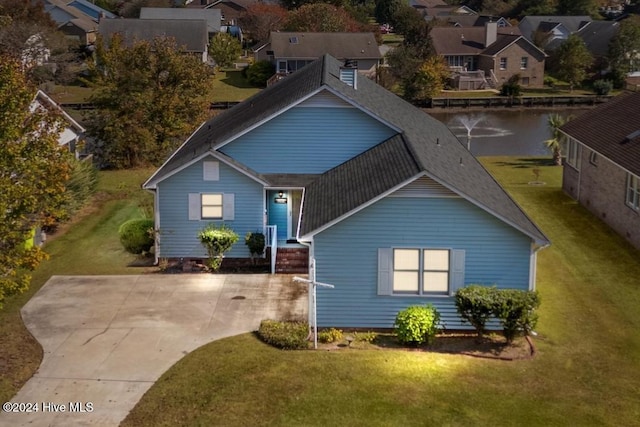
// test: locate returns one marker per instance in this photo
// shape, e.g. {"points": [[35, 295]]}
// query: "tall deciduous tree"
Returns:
{"points": [[572, 60], [321, 18], [224, 49], [148, 97], [624, 50], [428, 81], [33, 173], [577, 7], [385, 10], [262, 18]]}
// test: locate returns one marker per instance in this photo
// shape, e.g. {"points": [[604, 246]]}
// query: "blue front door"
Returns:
{"points": [[278, 211]]}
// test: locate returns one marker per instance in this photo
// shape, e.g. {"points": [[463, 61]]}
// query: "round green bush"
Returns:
{"points": [[417, 324], [136, 235], [259, 72]]}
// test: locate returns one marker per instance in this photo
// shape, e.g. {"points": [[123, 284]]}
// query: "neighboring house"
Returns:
{"points": [[232, 10], [382, 198], [549, 32], [72, 134], [90, 9], [191, 35], [602, 167], [212, 16], [489, 56], [73, 23], [289, 52], [445, 11], [597, 36], [474, 21]]}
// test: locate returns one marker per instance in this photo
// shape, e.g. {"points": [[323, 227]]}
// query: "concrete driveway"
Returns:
{"points": [[107, 339]]}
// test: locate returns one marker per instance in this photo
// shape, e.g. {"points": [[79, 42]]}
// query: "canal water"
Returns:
{"points": [[503, 132]]}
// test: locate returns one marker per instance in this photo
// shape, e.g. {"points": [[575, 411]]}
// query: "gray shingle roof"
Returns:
{"points": [[212, 16], [425, 144], [314, 45], [191, 34], [529, 24], [598, 34], [605, 129]]}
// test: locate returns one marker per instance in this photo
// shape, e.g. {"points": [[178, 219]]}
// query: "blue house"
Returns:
{"points": [[383, 199]]}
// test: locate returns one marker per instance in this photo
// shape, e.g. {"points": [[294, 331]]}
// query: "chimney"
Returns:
{"points": [[490, 33], [349, 73]]}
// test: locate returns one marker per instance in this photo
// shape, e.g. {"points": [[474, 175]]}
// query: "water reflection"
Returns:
{"points": [[503, 132]]}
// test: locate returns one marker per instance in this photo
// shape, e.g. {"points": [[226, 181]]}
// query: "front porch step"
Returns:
{"points": [[292, 260]]}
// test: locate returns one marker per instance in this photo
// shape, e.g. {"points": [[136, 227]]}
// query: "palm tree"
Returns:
{"points": [[557, 140]]}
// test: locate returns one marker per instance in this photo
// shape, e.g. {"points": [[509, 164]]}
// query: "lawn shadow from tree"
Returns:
{"points": [[235, 79], [527, 162]]}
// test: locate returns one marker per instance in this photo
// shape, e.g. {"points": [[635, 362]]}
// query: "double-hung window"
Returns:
{"points": [[633, 192], [573, 153], [524, 61], [420, 271], [503, 63], [211, 206]]}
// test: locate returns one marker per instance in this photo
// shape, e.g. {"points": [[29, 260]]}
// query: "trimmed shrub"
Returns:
{"points": [[285, 335], [255, 242], [475, 305], [512, 86], [217, 239], [365, 336], [602, 87], [417, 324], [259, 72], [332, 335], [516, 311], [136, 235]]}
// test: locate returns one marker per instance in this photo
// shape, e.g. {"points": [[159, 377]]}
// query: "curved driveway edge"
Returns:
{"points": [[107, 339]]}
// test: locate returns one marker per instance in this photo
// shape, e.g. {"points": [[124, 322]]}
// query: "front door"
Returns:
{"points": [[283, 211]]}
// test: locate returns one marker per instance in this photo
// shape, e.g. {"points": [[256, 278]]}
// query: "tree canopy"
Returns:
{"points": [[624, 50], [224, 49], [262, 18], [33, 173], [321, 18], [572, 60], [148, 97]]}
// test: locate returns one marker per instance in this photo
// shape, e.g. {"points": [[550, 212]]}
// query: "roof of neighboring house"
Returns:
{"points": [[470, 40], [314, 45], [472, 20], [598, 34], [72, 129], [212, 16], [447, 10], [62, 14], [606, 129], [188, 33], [530, 24], [423, 146], [90, 9], [505, 41], [424, 4]]}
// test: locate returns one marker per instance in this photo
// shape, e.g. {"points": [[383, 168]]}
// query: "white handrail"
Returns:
{"points": [[271, 235]]}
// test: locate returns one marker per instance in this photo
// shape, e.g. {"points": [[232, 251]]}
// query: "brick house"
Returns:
{"points": [[487, 57], [602, 168]]}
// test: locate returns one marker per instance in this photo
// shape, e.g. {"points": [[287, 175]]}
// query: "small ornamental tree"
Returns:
{"points": [[255, 242], [516, 311], [224, 49], [475, 305], [259, 72], [217, 240], [417, 324]]}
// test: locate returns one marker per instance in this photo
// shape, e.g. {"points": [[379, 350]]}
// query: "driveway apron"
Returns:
{"points": [[107, 339]]}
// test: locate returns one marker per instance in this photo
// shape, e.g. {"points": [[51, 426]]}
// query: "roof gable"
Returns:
{"points": [[608, 130]]}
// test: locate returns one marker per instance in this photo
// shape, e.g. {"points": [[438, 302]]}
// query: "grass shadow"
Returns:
{"points": [[235, 79], [527, 162]]}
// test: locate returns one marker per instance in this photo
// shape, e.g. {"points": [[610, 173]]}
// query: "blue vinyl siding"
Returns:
{"points": [[347, 255], [178, 235], [308, 140]]}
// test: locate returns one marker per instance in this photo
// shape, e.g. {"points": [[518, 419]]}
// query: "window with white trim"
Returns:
{"points": [[573, 153], [420, 271], [633, 192], [593, 158], [211, 206], [503, 63], [524, 62]]}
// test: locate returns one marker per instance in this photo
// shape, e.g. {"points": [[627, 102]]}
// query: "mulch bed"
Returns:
{"points": [[491, 346]]}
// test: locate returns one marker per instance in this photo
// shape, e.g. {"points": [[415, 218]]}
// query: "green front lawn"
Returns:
{"points": [[586, 372]]}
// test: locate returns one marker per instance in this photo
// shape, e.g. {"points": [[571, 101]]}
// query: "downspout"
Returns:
{"points": [[533, 263]]}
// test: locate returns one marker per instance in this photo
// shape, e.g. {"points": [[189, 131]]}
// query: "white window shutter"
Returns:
{"points": [[384, 271], [228, 206], [194, 207], [457, 270], [210, 171]]}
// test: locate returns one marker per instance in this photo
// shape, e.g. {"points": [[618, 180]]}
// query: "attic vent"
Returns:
{"points": [[632, 136], [293, 40]]}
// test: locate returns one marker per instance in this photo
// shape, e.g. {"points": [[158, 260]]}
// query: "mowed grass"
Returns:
{"points": [[586, 371], [88, 245]]}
